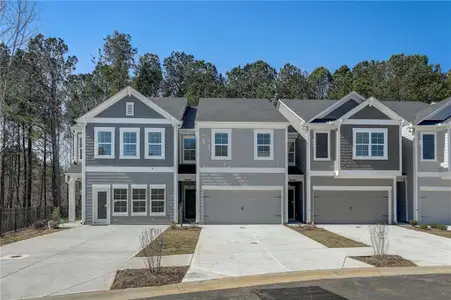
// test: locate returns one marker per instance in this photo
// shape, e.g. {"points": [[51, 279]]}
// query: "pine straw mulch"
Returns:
{"points": [[135, 278]]}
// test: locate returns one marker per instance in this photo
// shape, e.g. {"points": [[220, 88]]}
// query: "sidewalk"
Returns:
{"points": [[254, 280]]}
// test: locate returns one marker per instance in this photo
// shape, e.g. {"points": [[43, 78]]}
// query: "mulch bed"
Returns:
{"points": [[135, 278], [385, 261]]}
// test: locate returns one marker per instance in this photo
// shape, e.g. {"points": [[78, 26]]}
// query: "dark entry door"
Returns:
{"points": [[190, 204], [291, 210], [101, 205]]}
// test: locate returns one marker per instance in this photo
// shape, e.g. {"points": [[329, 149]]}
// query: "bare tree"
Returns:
{"points": [[151, 240], [379, 239]]}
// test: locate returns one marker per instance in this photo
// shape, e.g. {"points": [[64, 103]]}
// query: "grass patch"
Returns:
{"points": [[434, 231], [135, 278], [327, 238], [26, 234], [385, 261], [178, 241]]}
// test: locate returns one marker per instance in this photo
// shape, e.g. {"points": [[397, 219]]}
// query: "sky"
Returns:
{"points": [[306, 34]]}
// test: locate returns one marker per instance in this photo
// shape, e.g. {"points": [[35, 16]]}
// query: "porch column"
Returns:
{"points": [[71, 184]]}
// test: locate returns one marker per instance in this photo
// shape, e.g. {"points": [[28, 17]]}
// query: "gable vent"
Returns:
{"points": [[130, 109]]}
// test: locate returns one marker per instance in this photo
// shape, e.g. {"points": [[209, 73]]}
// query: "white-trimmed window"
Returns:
{"points": [[292, 152], [155, 141], [222, 144], [104, 142], [129, 141], [263, 144], [321, 144], [428, 146], [80, 146], [120, 200], [189, 149], [157, 199], [139, 199], [370, 143], [130, 109]]}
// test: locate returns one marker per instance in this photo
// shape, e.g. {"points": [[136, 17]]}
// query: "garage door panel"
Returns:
{"points": [[242, 207], [362, 207], [435, 207]]}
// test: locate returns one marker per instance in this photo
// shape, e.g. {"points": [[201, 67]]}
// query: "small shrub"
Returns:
{"points": [[441, 227], [152, 245], [423, 226], [53, 224], [193, 224], [173, 225], [39, 224], [379, 239], [413, 223], [56, 214], [434, 225]]}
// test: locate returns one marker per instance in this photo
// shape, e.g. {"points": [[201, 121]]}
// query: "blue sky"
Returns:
{"points": [[306, 34]]}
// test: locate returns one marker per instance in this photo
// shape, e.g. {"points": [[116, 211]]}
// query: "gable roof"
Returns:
{"points": [[175, 106], [371, 101], [307, 109], [129, 91], [237, 110], [335, 106], [406, 109], [431, 110]]}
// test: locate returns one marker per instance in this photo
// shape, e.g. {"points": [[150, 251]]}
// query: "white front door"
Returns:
{"points": [[101, 208]]}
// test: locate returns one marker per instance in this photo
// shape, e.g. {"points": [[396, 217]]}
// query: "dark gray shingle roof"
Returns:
{"points": [[237, 110], [189, 117], [175, 106], [307, 109], [74, 168], [430, 109], [406, 109]]}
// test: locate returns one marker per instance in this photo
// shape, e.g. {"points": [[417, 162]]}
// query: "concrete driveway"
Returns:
{"points": [[70, 261], [233, 250], [423, 249]]}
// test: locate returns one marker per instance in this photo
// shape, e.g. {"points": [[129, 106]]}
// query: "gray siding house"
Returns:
{"points": [[431, 157], [242, 167], [353, 159]]}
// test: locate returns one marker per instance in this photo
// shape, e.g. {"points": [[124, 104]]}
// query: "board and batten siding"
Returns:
{"points": [[147, 178], [141, 162], [346, 148]]}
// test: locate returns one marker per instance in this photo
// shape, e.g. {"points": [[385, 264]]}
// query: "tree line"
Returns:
{"points": [[41, 95]]}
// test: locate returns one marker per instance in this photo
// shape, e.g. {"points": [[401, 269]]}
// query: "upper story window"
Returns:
{"points": [[291, 153], [104, 142], [263, 144], [129, 143], [322, 145], [130, 109], [370, 143], [80, 146], [155, 141], [428, 146], [189, 149], [221, 143]]}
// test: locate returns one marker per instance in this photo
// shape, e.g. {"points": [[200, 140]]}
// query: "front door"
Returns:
{"points": [[291, 204], [101, 196], [190, 204]]}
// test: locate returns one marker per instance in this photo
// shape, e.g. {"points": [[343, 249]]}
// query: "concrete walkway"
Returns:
{"points": [[166, 261], [233, 250], [421, 248], [69, 261]]}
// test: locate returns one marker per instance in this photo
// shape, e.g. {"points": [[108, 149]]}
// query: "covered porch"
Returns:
{"points": [[73, 178]]}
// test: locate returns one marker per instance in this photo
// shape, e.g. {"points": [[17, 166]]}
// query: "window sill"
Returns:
{"points": [[370, 158], [221, 158], [103, 157], [129, 157], [157, 215], [154, 157], [120, 214], [144, 214], [321, 159], [428, 160], [263, 158]]}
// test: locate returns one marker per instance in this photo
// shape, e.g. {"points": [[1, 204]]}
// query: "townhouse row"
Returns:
{"points": [[140, 160]]}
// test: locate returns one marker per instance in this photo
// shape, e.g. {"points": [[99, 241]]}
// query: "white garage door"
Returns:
{"points": [[435, 206]]}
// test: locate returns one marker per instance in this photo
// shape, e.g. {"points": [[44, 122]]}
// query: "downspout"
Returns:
{"points": [[337, 149], [415, 176], [176, 126], [307, 182]]}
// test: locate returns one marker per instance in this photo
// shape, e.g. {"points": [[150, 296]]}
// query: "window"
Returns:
{"points": [[263, 149], [80, 146], [130, 109], [428, 146], [139, 200], [104, 142], [189, 149], [322, 145], [221, 144], [129, 143], [157, 200], [291, 153], [120, 200], [155, 138], [370, 143]]}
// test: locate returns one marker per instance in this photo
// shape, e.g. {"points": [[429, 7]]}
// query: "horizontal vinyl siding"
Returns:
{"points": [[132, 178]]}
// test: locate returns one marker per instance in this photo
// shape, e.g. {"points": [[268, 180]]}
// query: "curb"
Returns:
{"points": [[251, 280]]}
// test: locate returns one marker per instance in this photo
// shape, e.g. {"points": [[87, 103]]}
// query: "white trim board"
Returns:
{"points": [[435, 111], [243, 170], [271, 144], [315, 132], [213, 144], [370, 122], [337, 104], [128, 91], [435, 189], [120, 169], [228, 125], [126, 121], [357, 174], [422, 134], [433, 174], [377, 104]]}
